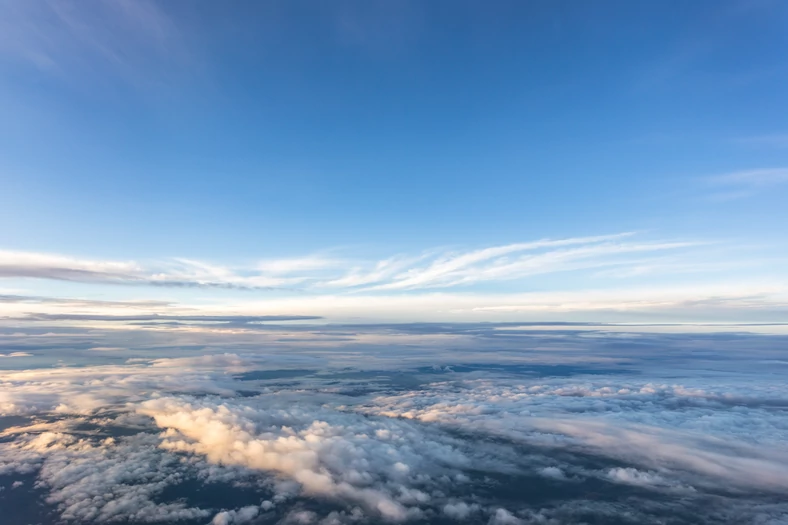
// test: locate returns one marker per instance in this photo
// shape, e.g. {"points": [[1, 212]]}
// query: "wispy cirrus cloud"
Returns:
{"points": [[497, 264], [431, 269], [778, 140], [756, 177], [746, 183], [228, 319], [177, 273], [454, 268], [136, 42]]}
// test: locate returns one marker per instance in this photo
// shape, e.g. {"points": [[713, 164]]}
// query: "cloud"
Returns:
{"points": [[748, 182], [17, 354], [772, 141], [236, 517], [460, 510], [75, 301], [135, 42], [234, 319], [175, 273], [489, 264], [463, 269], [678, 429], [439, 285], [432, 269], [299, 264], [100, 480], [631, 476], [328, 453], [760, 177], [504, 517], [479, 437]]}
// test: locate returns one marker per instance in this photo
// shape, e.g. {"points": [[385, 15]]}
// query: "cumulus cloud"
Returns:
{"points": [[236, 517], [329, 453], [631, 476], [460, 510], [504, 517], [552, 472], [99, 481]]}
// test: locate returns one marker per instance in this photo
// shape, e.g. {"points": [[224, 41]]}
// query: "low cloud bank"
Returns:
{"points": [[170, 439]]}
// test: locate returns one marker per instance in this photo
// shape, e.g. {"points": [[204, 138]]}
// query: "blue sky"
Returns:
{"points": [[393, 159]]}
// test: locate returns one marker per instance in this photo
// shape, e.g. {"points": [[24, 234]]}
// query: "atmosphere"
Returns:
{"points": [[349, 262]]}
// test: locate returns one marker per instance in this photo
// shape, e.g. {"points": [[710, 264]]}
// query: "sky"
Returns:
{"points": [[395, 161], [393, 262]]}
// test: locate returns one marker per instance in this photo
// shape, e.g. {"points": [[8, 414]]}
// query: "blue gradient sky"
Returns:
{"points": [[302, 156]]}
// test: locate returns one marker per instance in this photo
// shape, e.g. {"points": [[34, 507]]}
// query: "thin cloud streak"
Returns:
{"points": [[435, 269], [448, 264], [773, 141], [235, 319], [134, 41], [177, 273], [756, 177], [454, 273]]}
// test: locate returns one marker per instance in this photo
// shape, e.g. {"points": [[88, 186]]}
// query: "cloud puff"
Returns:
{"points": [[236, 517], [631, 476], [99, 481], [330, 454]]}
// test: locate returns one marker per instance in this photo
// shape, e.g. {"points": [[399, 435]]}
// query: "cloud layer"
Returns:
{"points": [[432, 269], [554, 427]]}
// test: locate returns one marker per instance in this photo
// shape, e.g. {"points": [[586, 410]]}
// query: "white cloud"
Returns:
{"points": [[681, 429], [747, 182], [552, 472], [504, 517], [328, 453], [639, 478], [169, 273], [439, 285], [774, 140], [236, 517], [460, 510], [437, 268], [134, 41], [101, 481], [758, 177], [430, 451]]}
